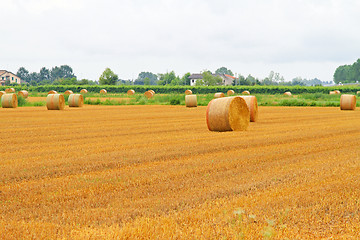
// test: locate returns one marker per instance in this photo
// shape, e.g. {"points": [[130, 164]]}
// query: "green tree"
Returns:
{"points": [[224, 70], [209, 79], [185, 79], [166, 78], [151, 76], [108, 77], [44, 74], [23, 74]]}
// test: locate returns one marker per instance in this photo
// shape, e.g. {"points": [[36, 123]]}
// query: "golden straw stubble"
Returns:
{"points": [[76, 100], [227, 114], [131, 92], [55, 102], [23, 93], [190, 101], [252, 104], [347, 102], [230, 92], [219, 95], [9, 100], [188, 92]]}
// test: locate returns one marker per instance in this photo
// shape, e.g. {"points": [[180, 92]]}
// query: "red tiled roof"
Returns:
{"points": [[230, 76]]}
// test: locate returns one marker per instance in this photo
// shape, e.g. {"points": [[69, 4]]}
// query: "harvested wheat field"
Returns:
{"points": [[157, 172]]}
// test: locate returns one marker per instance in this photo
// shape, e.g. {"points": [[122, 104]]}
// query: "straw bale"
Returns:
{"points": [[68, 92], [227, 114], [83, 91], [131, 92], [76, 100], [153, 92], [103, 91], [230, 92], [2, 93], [337, 92], [332, 92], [347, 102], [252, 104], [246, 92], [188, 92], [190, 101], [55, 102], [149, 94], [9, 100], [23, 93], [52, 92], [10, 90], [287, 93], [219, 95], [358, 92]]}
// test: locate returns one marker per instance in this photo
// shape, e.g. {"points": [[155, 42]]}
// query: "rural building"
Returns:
{"points": [[226, 79], [6, 75]]}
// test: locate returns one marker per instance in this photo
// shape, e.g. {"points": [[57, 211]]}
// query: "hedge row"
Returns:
{"points": [[195, 89]]}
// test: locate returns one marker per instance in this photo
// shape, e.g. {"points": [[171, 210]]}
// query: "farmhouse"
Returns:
{"points": [[226, 79], [6, 75]]}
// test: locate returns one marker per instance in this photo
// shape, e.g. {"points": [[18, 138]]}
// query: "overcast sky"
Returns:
{"points": [[303, 38]]}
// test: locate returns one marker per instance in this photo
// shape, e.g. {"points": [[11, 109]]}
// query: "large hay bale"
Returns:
{"points": [[188, 92], [52, 92], [347, 102], [131, 92], [227, 114], [9, 100], [287, 94], [2, 93], [68, 92], [10, 90], [252, 104], [190, 101], [219, 95], [246, 92], [83, 91], [55, 102], [103, 91], [230, 92], [153, 92], [76, 100], [23, 94], [148, 94]]}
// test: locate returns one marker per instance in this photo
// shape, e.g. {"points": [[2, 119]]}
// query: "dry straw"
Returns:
{"points": [[68, 92], [347, 102], [52, 92], [83, 91], [227, 114], [2, 93], [246, 92], [55, 102], [10, 90], [23, 94], [287, 93], [103, 91], [252, 104], [131, 92], [188, 92], [190, 101], [230, 92], [9, 100], [76, 100], [219, 95], [149, 94]]}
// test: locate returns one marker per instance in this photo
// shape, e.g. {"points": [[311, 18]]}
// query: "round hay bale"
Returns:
{"points": [[9, 100], [287, 93], [358, 92], [337, 92], [148, 94], [347, 102], [52, 92], [2, 93], [10, 90], [103, 91], [227, 114], [219, 95], [252, 104], [230, 92], [68, 92], [83, 91], [153, 92], [131, 92], [55, 102], [246, 92], [332, 92], [23, 93], [188, 92], [76, 100], [190, 101]]}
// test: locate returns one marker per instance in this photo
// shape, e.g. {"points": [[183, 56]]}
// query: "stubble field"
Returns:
{"points": [[115, 172]]}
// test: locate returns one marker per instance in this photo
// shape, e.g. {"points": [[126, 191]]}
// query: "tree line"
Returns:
{"points": [[348, 73]]}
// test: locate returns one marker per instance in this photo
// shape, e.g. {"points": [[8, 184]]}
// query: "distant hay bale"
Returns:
{"points": [[23, 94], [246, 92], [68, 92], [219, 95], [103, 91], [287, 93], [227, 114], [76, 100], [252, 104], [10, 90], [9, 100], [153, 92], [332, 92], [190, 101], [55, 102], [230, 92], [337, 92], [188, 92], [52, 92], [149, 94], [83, 91], [2, 93], [358, 92], [347, 102], [131, 92]]}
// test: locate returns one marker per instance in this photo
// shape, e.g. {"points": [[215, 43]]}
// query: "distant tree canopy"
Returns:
{"points": [[108, 77], [146, 78], [224, 70], [209, 79], [348, 73]]}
